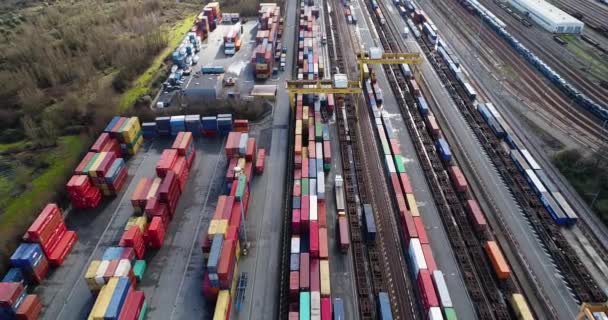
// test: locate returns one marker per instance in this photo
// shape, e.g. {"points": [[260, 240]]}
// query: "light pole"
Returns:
{"points": [[238, 173]]}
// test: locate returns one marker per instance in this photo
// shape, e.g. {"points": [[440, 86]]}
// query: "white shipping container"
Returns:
{"points": [[320, 185], [243, 143], [375, 53], [319, 151], [493, 110], [101, 270], [390, 164], [295, 244], [445, 301], [123, 268], [416, 256], [312, 187], [538, 186], [531, 161], [435, 313], [313, 214], [315, 304]]}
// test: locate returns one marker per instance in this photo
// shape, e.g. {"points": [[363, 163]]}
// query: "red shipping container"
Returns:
{"points": [[219, 208], [427, 291], [305, 167], [421, 230], [315, 275], [235, 215], [476, 216], [304, 271], [298, 161], [458, 179], [132, 306], [129, 254], [428, 257], [156, 233], [30, 308], [259, 162], [295, 221], [314, 239], [297, 174], [227, 258], [169, 192], [323, 244], [183, 143], [409, 227], [326, 309], [297, 188], [230, 169], [113, 146], [401, 204], [139, 197], [395, 148], [181, 171], [326, 152], [304, 213], [250, 150], [232, 233], [229, 203], [405, 183], [63, 248], [104, 166], [134, 238], [166, 162], [110, 270], [312, 149], [83, 163], [343, 233], [155, 208], [321, 214], [294, 286]]}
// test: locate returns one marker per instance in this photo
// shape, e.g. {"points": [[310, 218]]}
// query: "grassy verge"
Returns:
{"points": [[142, 84], [11, 146], [588, 176], [22, 210]]}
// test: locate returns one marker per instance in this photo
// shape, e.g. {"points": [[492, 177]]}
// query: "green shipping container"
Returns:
{"points": [[304, 186], [318, 132], [449, 313], [144, 310], [399, 165], [87, 168], [327, 167], [304, 305], [139, 268], [240, 189]]}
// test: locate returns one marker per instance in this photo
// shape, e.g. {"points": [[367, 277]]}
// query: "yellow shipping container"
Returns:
{"points": [[411, 204], [103, 300], [222, 305], [261, 66], [305, 116], [89, 276], [154, 187], [95, 164], [141, 222], [241, 163], [136, 123], [324, 275], [298, 126], [304, 153], [130, 130], [522, 311], [217, 226], [135, 148]]}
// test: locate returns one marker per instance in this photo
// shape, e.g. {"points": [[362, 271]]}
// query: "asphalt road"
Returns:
{"points": [[442, 250], [490, 180]]}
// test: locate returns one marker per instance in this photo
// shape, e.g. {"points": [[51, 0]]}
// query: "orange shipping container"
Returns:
{"points": [[323, 246], [501, 268]]}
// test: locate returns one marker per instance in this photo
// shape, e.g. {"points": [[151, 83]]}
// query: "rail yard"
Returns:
{"points": [[370, 159]]}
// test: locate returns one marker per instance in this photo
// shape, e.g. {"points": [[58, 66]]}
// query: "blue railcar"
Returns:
{"points": [[519, 160], [444, 150], [163, 125], [565, 206], [423, 107], [212, 70], [384, 307], [496, 128], [149, 130], [338, 309], [407, 71], [557, 214], [369, 223]]}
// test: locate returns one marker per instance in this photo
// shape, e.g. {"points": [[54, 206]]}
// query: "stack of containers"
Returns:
{"points": [[241, 125], [213, 14], [15, 275], [210, 126], [32, 262], [30, 308], [221, 244], [12, 296], [184, 144], [163, 126], [193, 124], [128, 133], [266, 40], [105, 143], [50, 232], [146, 189], [224, 123], [133, 238], [431, 283], [118, 300], [259, 161], [178, 124], [310, 66], [148, 130], [115, 262], [83, 194]]}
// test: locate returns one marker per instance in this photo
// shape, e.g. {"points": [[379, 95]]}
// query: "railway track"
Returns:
{"points": [[386, 263], [583, 287], [573, 120]]}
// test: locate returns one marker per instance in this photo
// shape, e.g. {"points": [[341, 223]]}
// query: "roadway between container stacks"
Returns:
{"points": [[530, 246], [442, 250]]}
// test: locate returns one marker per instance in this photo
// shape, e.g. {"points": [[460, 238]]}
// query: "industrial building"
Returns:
{"points": [[549, 17]]}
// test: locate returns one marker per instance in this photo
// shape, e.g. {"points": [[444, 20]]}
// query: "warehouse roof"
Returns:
{"points": [[547, 11]]}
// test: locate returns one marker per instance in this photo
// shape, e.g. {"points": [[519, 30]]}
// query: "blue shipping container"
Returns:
{"points": [[214, 253], [444, 150], [112, 253], [338, 309], [14, 275], [118, 299], [294, 262], [369, 223], [111, 124], [384, 306], [149, 130]]}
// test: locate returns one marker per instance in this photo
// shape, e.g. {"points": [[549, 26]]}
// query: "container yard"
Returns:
{"points": [[387, 181]]}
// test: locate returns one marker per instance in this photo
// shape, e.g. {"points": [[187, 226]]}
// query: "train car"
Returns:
{"points": [[565, 206], [402, 11], [432, 126], [470, 91], [338, 309], [520, 307], [537, 186], [414, 87], [365, 71], [416, 256], [384, 307], [342, 230], [423, 106], [545, 180], [444, 150], [369, 223], [476, 216], [557, 214], [519, 160], [500, 265], [427, 290], [445, 301], [378, 93], [529, 159], [458, 179], [407, 71]]}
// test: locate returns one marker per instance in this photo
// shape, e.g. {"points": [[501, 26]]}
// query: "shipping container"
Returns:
{"points": [[304, 305], [435, 313], [445, 301], [416, 256], [427, 291], [500, 265], [458, 179], [343, 234], [304, 271], [520, 307], [324, 274], [476, 216], [444, 150], [411, 204], [384, 307], [369, 223]]}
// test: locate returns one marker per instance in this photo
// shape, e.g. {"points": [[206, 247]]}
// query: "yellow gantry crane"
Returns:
{"points": [[587, 310], [386, 58]]}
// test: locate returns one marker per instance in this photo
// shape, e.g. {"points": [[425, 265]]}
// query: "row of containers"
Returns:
{"points": [[206, 126], [268, 40], [103, 171], [434, 295], [309, 267], [207, 20], [113, 277], [46, 243], [221, 244], [310, 65]]}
